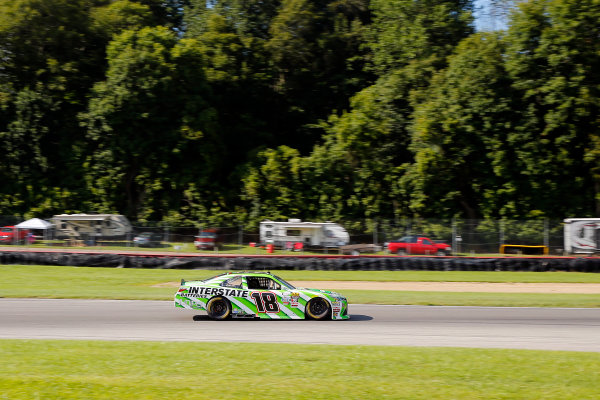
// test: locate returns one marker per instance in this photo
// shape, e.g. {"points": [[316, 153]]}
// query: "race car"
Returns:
{"points": [[259, 295]]}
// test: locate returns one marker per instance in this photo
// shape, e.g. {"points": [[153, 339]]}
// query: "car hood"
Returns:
{"points": [[328, 292]]}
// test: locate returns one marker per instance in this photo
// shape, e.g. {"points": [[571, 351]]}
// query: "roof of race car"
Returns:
{"points": [[227, 275], [233, 273]]}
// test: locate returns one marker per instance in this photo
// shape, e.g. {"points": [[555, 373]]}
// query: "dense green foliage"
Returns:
{"points": [[223, 110]]}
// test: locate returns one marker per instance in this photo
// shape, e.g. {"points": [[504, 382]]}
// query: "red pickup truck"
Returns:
{"points": [[418, 245]]}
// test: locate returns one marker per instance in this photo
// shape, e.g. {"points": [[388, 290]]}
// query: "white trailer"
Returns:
{"points": [[582, 235], [87, 226], [316, 234]]}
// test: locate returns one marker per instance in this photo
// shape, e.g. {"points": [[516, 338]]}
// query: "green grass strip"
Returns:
{"points": [[473, 299], [29, 281], [51, 369]]}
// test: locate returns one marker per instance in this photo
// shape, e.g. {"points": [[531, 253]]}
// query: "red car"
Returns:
{"points": [[418, 245], [11, 235]]}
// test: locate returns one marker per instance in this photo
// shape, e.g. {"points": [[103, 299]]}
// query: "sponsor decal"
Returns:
{"points": [[336, 307], [206, 291], [294, 297], [290, 299]]}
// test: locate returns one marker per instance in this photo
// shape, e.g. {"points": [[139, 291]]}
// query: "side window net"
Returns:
{"points": [[262, 283]]}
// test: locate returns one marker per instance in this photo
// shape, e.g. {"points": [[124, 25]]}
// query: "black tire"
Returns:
{"points": [[401, 252], [441, 253], [218, 308], [318, 308]]}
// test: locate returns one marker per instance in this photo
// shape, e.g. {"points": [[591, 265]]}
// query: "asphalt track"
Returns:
{"points": [[482, 327]]}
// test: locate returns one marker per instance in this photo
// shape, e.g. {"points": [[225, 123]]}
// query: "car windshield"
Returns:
{"points": [[208, 235], [284, 282], [6, 230]]}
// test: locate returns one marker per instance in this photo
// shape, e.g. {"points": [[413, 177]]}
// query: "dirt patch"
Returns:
{"points": [[581, 288]]}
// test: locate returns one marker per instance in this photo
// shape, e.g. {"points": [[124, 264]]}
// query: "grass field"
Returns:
{"points": [[158, 370], [145, 284], [63, 369]]}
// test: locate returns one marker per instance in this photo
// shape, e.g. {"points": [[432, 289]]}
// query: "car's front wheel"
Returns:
{"points": [[318, 308], [218, 308]]}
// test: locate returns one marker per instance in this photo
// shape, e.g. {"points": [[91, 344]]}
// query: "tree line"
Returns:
{"points": [[240, 110]]}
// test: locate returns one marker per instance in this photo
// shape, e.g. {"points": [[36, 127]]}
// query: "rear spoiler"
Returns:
{"points": [[183, 281]]}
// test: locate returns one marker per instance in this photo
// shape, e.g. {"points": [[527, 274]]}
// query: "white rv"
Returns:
{"points": [[85, 226], [582, 235], [318, 234]]}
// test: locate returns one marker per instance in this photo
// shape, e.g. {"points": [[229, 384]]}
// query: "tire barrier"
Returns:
{"points": [[274, 263]]}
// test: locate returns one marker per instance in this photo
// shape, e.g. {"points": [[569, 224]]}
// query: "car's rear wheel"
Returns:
{"points": [[401, 252], [318, 308], [218, 308]]}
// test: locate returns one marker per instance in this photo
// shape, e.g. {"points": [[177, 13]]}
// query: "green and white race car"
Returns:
{"points": [[259, 294]]}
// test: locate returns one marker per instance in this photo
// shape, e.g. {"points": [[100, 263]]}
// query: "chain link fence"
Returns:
{"points": [[467, 237]]}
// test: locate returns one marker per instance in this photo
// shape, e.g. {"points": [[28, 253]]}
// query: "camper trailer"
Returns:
{"points": [[310, 234], [582, 235], [88, 226]]}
